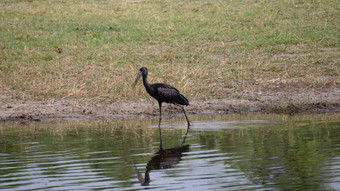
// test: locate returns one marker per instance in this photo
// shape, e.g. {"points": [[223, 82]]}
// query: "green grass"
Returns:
{"points": [[207, 49]]}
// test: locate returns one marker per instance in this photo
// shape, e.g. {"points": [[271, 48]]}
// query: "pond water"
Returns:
{"points": [[220, 152]]}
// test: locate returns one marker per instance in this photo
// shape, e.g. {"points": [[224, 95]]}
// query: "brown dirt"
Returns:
{"points": [[289, 102]]}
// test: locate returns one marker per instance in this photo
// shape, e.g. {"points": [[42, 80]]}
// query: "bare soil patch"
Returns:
{"points": [[289, 102]]}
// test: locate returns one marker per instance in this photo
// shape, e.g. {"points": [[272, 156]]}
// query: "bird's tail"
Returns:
{"points": [[184, 100]]}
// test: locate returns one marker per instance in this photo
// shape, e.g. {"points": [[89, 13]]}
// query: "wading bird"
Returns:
{"points": [[162, 93]]}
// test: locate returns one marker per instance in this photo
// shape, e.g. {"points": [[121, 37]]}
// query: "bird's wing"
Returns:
{"points": [[168, 92]]}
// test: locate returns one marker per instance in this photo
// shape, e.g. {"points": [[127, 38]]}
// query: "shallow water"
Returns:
{"points": [[222, 152]]}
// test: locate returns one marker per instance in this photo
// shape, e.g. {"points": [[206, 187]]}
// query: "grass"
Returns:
{"points": [[207, 49]]}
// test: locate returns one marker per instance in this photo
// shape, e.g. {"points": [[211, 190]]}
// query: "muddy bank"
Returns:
{"points": [[269, 102]]}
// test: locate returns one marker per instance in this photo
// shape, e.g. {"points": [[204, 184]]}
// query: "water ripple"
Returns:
{"points": [[217, 155]]}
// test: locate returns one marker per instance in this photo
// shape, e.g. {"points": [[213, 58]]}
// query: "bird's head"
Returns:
{"points": [[143, 71]]}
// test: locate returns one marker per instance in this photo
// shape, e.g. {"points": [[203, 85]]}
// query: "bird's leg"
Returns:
{"points": [[186, 117], [160, 114], [159, 123]]}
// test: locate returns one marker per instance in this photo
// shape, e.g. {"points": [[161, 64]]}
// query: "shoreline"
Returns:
{"points": [[12, 110]]}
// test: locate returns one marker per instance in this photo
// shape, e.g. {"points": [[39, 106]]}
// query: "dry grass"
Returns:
{"points": [[207, 49]]}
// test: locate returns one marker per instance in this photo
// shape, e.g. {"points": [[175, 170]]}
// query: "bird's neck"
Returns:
{"points": [[146, 83]]}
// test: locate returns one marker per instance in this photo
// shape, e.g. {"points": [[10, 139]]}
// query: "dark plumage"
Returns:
{"points": [[162, 93]]}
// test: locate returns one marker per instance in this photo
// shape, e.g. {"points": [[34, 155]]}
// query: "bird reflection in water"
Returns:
{"points": [[164, 159]]}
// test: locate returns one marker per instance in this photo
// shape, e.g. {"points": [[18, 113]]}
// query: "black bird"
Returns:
{"points": [[162, 93]]}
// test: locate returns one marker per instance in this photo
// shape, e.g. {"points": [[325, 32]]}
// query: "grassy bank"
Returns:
{"points": [[207, 49]]}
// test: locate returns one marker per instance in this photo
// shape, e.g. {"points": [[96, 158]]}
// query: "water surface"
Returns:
{"points": [[222, 152]]}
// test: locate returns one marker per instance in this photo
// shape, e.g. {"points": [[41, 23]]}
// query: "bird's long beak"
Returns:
{"points": [[137, 78]]}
